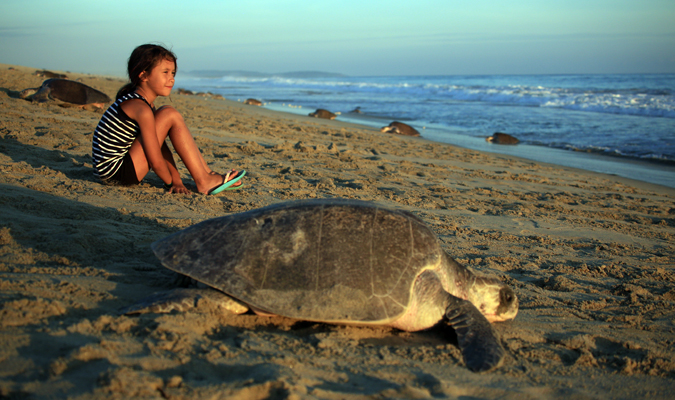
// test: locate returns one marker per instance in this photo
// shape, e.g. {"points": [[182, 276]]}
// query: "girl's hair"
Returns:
{"points": [[143, 59]]}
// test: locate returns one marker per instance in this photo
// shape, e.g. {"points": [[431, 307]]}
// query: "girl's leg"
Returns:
{"points": [[169, 122]]}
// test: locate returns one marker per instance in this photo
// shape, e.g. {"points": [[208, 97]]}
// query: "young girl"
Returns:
{"points": [[130, 138]]}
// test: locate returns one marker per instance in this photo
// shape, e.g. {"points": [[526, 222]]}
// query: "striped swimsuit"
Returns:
{"points": [[113, 137]]}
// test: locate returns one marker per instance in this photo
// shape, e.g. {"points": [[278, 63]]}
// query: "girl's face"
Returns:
{"points": [[161, 78]]}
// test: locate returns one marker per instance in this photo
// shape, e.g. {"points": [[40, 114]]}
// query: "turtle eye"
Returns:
{"points": [[506, 296]]}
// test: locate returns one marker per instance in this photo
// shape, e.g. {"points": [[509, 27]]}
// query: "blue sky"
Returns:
{"points": [[419, 37]]}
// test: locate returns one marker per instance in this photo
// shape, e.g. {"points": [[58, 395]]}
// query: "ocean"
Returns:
{"points": [[617, 124]]}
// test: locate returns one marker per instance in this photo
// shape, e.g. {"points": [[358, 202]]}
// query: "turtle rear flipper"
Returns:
{"points": [[183, 300], [477, 341]]}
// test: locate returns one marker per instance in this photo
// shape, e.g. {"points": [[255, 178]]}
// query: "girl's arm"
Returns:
{"points": [[139, 111], [178, 186]]}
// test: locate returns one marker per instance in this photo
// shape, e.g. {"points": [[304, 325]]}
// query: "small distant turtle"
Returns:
{"points": [[502, 138], [68, 91], [321, 113], [400, 128], [340, 262], [50, 74], [253, 102], [357, 110]]}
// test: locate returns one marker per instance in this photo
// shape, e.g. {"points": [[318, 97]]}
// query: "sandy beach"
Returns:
{"points": [[590, 256]]}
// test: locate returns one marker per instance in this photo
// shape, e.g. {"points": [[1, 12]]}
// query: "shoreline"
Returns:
{"points": [[602, 162], [644, 170], [590, 256]]}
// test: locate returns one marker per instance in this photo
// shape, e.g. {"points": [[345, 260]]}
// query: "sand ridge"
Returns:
{"points": [[590, 256]]}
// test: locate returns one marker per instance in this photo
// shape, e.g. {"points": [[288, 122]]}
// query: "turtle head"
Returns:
{"points": [[495, 300]]}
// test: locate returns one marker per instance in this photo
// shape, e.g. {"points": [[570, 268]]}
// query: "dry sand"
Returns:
{"points": [[590, 256]]}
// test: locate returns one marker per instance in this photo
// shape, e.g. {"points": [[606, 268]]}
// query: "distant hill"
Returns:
{"points": [[254, 74]]}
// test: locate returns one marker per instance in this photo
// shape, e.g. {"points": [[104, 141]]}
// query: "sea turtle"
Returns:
{"points": [[253, 102], [50, 74], [340, 262], [400, 128], [321, 113], [502, 138], [68, 91]]}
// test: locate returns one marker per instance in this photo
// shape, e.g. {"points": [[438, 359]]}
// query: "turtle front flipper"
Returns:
{"points": [[42, 94], [184, 300], [481, 349]]}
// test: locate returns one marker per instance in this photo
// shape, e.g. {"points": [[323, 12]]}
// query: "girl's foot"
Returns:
{"points": [[230, 180]]}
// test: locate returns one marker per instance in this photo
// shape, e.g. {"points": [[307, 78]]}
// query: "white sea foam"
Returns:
{"points": [[633, 101]]}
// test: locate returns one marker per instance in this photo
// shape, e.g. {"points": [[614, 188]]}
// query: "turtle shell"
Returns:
{"points": [[70, 92], [339, 261]]}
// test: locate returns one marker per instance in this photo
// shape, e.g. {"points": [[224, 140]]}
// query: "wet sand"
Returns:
{"points": [[591, 257]]}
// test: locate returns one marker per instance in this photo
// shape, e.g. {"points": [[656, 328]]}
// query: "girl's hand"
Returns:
{"points": [[179, 188]]}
